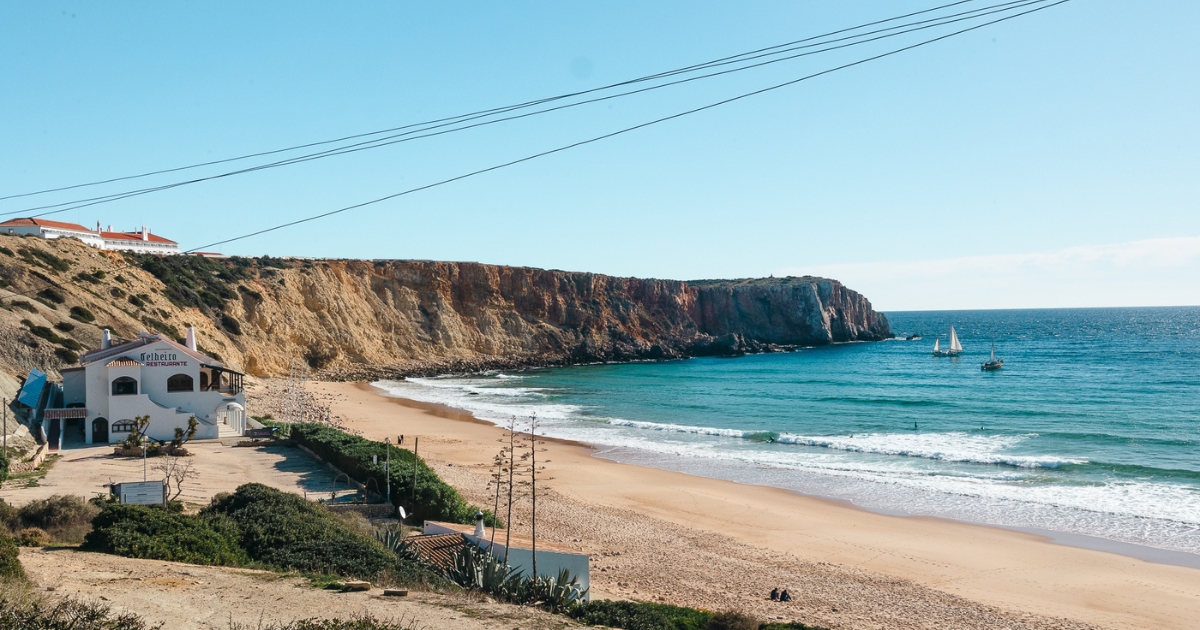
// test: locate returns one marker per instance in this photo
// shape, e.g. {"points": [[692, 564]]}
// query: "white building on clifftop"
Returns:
{"points": [[141, 241]]}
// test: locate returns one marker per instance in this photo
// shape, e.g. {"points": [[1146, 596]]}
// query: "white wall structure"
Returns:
{"points": [[141, 241], [551, 558], [157, 377], [51, 229]]}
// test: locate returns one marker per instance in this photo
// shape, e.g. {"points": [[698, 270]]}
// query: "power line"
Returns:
{"points": [[592, 140], [622, 131], [428, 130], [486, 111]]}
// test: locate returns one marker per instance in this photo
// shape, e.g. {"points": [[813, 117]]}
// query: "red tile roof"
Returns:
{"points": [[24, 221], [135, 236], [438, 549]]}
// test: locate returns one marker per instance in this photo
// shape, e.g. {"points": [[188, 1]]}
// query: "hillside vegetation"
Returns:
{"points": [[348, 317]]}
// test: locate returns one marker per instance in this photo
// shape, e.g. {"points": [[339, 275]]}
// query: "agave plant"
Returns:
{"points": [[395, 541], [556, 593]]}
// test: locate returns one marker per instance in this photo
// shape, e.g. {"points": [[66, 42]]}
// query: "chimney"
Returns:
{"points": [[97, 227], [145, 234], [109, 227], [105, 340], [191, 338], [479, 533]]}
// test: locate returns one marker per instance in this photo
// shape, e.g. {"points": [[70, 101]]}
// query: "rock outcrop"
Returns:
{"points": [[358, 318]]}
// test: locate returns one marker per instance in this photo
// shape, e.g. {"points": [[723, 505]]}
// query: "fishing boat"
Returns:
{"points": [[992, 363], [955, 347]]}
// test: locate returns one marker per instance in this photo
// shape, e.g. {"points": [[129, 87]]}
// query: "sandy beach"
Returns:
{"points": [[666, 536]]}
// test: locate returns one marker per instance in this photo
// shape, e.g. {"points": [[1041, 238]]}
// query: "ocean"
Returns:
{"points": [[1091, 428]]}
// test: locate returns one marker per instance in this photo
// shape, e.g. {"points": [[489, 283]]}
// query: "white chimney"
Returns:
{"points": [[105, 340], [191, 338], [479, 526], [145, 234], [109, 227], [97, 226]]}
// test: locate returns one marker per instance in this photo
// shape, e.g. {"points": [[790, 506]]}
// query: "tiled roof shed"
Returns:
{"points": [[439, 549]]}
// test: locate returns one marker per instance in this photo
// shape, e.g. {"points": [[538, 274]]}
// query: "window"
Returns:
{"points": [[204, 381], [123, 426], [180, 383], [124, 386]]}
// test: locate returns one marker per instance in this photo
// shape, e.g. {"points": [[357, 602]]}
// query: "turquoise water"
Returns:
{"points": [[1092, 427]]}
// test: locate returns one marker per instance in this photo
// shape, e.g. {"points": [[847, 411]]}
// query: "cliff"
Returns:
{"points": [[351, 318]]}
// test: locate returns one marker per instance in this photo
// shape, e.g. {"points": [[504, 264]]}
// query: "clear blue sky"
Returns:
{"points": [[1049, 161]]}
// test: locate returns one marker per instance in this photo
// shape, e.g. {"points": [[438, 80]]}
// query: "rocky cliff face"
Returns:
{"points": [[413, 316]]}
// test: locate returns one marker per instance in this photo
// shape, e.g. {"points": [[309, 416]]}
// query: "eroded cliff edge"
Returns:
{"points": [[354, 318]]}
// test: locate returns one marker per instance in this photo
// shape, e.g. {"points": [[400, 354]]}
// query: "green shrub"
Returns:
{"points": [[137, 301], [230, 323], [4, 463], [21, 609], [8, 514], [285, 531], [631, 615], [731, 620], [45, 258], [65, 326], [24, 305], [82, 314], [6, 251], [66, 356], [139, 531], [32, 537], [10, 559], [436, 500], [52, 295], [117, 292], [64, 517]]}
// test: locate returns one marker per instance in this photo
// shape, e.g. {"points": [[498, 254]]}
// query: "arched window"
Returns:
{"points": [[123, 426], [180, 383], [124, 386], [204, 381]]}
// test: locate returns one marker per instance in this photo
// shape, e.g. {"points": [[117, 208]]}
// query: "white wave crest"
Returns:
{"points": [[682, 428], [955, 446]]}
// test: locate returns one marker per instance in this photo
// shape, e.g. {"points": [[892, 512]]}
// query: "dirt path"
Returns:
{"points": [[219, 468], [187, 597]]}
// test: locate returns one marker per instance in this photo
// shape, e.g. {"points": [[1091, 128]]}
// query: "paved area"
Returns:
{"points": [[87, 470]]}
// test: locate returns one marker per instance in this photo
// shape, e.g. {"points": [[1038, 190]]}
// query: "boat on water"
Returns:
{"points": [[993, 363], [955, 347]]}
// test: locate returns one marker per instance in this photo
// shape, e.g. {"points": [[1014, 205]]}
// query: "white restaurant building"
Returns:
{"points": [[149, 376]]}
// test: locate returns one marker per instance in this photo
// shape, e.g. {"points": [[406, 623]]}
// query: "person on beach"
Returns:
{"points": [[785, 596], [775, 594]]}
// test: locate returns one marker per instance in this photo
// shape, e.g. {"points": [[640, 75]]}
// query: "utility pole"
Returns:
{"points": [[387, 474], [5, 428], [143, 461]]}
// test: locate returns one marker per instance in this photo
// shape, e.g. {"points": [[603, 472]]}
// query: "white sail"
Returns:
{"points": [[993, 359], [936, 347], [955, 346]]}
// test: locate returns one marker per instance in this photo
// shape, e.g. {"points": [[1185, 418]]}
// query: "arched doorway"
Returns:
{"points": [[100, 431], [232, 415]]}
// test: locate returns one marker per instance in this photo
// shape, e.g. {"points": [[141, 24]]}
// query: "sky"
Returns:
{"points": [[1048, 161]]}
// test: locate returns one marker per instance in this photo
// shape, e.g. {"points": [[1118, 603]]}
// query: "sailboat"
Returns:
{"points": [[955, 346], [992, 363]]}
